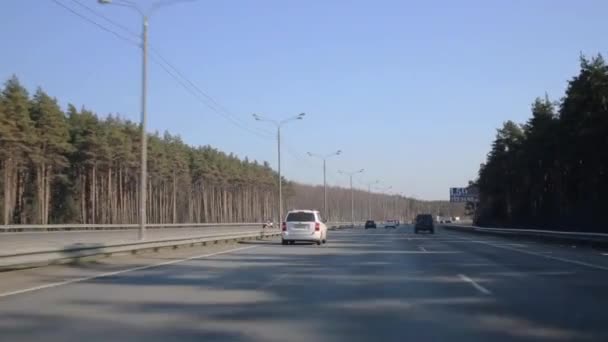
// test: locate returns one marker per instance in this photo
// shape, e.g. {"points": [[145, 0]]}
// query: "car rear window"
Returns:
{"points": [[424, 219], [300, 216]]}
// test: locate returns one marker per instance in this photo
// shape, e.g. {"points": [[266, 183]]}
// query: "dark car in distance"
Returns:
{"points": [[424, 222], [370, 224]]}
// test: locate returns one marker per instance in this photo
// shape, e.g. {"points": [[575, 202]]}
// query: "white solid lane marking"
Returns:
{"points": [[540, 254], [475, 284], [109, 274]]}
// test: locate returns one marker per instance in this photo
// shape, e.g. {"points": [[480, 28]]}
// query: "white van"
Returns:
{"points": [[303, 225]]}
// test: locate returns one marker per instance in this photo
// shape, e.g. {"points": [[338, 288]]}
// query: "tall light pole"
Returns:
{"points": [[395, 205], [384, 192], [369, 197], [406, 206], [398, 197], [145, 14], [324, 157], [352, 199], [278, 124]]}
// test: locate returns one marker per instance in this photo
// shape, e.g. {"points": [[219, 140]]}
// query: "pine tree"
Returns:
{"points": [[553, 173], [15, 144], [49, 154]]}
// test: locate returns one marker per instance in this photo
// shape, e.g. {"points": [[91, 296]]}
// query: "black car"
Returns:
{"points": [[424, 222], [370, 224]]}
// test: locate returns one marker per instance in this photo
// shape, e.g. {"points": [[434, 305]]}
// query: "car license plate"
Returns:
{"points": [[301, 226]]}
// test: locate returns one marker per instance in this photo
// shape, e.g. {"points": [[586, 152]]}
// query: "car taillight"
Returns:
{"points": [[317, 226], [284, 226]]}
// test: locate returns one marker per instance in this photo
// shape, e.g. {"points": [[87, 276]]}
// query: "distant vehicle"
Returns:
{"points": [[390, 224], [268, 224], [369, 224], [445, 219], [303, 225], [441, 219], [424, 222]]}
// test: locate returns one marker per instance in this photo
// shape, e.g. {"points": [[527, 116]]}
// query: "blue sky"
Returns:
{"points": [[412, 91]]}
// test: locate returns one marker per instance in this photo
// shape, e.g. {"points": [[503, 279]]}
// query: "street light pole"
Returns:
{"points": [[324, 158], [278, 124], [398, 212], [369, 198], [144, 137], [280, 212], [145, 14], [394, 206], [352, 198], [352, 203], [369, 201], [384, 205], [324, 191]]}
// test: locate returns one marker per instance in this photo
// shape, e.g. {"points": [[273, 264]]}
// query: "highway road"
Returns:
{"points": [[364, 285]]}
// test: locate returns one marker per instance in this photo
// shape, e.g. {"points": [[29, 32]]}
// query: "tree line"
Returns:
{"points": [[366, 205], [75, 166], [552, 171]]}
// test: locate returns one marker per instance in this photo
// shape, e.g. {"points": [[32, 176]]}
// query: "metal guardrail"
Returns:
{"points": [[71, 254], [84, 227], [85, 253], [77, 226], [553, 234]]}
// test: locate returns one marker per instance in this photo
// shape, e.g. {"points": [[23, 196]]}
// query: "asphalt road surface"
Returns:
{"points": [[364, 285]]}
